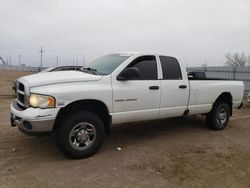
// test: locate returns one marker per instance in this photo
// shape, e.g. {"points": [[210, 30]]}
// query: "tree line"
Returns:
{"points": [[237, 60]]}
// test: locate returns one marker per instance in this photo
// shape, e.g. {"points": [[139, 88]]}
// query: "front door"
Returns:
{"points": [[137, 99]]}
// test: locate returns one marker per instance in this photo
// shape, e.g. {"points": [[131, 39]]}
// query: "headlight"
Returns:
{"points": [[42, 101]]}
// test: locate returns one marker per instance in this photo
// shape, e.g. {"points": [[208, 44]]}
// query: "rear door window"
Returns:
{"points": [[171, 68]]}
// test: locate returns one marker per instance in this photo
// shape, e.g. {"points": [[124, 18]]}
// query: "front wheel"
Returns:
{"points": [[218, 118], [80, 135]]}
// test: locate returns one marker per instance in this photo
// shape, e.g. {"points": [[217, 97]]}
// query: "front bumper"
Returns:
{"points": [[33, 121]]}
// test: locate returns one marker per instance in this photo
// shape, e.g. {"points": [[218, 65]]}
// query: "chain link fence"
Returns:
{"points": [[19, 68], [227, 73]]}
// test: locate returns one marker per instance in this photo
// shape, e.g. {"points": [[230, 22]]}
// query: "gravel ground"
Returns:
{"points": [[176, 152]]}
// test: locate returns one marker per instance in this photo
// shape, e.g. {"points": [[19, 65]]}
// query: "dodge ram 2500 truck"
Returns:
{"points": [[80, 106]]}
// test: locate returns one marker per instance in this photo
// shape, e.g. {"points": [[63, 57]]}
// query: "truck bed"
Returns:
{"points": [[205, 91]]}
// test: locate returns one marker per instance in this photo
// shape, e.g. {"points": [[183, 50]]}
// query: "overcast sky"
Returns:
{"points": [[195, 31]]}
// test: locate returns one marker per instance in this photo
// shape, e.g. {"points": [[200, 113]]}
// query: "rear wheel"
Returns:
{"points": [[218, 118], [80, 135]]}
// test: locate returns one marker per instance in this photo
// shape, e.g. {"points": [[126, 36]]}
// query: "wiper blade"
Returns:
{"points": [[94, 71], [89, 69]]}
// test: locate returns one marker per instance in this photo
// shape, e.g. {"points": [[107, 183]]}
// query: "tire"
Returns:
{"points": [[218, 118], [80, 134]]}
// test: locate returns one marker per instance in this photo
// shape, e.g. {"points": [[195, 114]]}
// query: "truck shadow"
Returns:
{"points": [[144, 131], [127, 135]]}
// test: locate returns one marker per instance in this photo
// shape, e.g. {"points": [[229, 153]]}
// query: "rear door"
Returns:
{"points": [[174, 88], [137, 99]]}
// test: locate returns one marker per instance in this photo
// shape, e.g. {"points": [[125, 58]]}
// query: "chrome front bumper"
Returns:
{"points": [[33, 120]]}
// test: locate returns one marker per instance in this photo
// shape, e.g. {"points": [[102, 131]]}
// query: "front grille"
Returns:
{"points": [[21, 87], [20, 107], [21, 98], [21, 95]]}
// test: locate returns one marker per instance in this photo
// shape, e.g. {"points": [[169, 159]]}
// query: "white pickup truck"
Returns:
{"points": [[80, 106]]}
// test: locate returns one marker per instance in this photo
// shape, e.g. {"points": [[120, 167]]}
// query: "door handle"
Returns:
{"points": [[182, 86], [154, 87]]}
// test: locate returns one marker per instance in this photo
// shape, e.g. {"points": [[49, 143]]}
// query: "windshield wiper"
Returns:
{"points": [[94, 71]]}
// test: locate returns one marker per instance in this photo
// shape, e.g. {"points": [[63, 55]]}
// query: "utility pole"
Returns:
{"points": [[56, 60], [9, 60], [83, 60], [76, 59], [19, 60], [41, 58]]}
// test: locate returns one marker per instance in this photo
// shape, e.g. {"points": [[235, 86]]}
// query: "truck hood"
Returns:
{"points": [[49, 78]]}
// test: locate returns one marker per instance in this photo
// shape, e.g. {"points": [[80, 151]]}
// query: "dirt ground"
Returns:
{"points": [[177, 152]]}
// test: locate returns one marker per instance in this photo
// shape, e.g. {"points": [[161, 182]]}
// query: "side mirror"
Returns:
{"points": [[130, 72]]}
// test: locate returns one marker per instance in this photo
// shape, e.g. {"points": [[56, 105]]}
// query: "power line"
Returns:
{"points": [[47, 50]]}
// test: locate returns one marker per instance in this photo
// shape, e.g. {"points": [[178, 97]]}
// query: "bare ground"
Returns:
{"points": [[177, 152]]}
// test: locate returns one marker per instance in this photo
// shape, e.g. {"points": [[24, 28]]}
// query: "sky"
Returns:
{"points": [[77, 31]]}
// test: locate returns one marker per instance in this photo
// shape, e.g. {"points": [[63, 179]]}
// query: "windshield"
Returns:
{"points": [[107, 64], [47, 69]]}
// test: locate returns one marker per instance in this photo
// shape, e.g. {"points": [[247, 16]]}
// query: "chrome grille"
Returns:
{"points": [[20, 95]]}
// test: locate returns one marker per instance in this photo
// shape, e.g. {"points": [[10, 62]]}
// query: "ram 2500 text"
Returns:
{"points": [[80, 106]]}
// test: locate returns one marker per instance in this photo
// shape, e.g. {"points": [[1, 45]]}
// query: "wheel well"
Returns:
{"points": [[95, 106], [225, 97]]}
